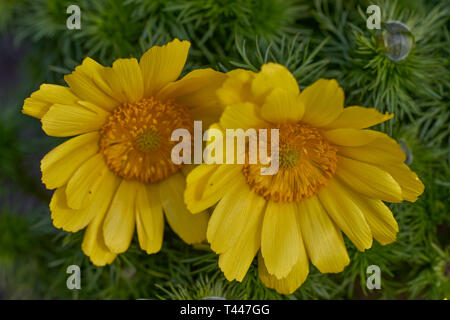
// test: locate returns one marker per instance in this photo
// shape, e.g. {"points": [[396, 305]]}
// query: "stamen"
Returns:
{"points": [[307, 162], [136, 139]]}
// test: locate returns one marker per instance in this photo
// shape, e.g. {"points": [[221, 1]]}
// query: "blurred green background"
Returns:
{"points": [[313, 38]]}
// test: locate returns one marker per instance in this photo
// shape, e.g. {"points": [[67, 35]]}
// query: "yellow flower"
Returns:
{"points": [[333, 176], [117, 172]]}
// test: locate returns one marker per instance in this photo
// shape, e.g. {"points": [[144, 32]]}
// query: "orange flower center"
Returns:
{"points": [[306, 162], [135, 140]]}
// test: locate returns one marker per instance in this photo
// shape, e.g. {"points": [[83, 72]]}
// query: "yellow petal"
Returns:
{"points": [[324, 102], [196, 182], [189, 227], [208, 116], [224, 178], [380, 150], [235, 261], [280, 238], [237, 87], [62, 216], [346, 214], [70, 120], [282, 106], [197, 92], [86, 182], [272, 76], [197, 87], [87, 83], [292, 281], [207, 184], [48, 94], [93, 243], [59, 164], [368, 180], [125, 77], [359, 118], [323, 241], [351, 137], [408, 180], [119, 223], [380, 219], [149, 218], [74, 220], [242, 116], [163, 64], [94, 246], [231, 215]]}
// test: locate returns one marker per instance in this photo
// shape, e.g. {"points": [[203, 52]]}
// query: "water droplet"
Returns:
{"points": [[404, 146], [213, 298], [397, 40]]}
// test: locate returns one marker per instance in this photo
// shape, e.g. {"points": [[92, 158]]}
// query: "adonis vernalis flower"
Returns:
{"points": [[117, 172], [333, 177]]}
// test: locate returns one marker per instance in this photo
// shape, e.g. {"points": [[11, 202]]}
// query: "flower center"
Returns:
{"points": [[148, 141], [306, 162], [135, 140], [289, 157]]}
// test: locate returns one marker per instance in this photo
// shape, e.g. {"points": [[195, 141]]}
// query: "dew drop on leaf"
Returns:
{"points": [[397, 40]]}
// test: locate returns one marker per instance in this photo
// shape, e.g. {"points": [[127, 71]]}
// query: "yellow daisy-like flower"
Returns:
{"points": [[117, 172], [333, 177]]}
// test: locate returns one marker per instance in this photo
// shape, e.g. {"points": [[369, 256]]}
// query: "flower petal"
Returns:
{"points": [[231, 215], [94, 246], [196, 88], [149, 218], [408, 180], [48, 94], [273, 75], [197, 92], [379, 218], [346, 214], [282, 106], [86, 182], [163, 64], [118, 227], [235, 261], [381, 150], [242, 116], [189, 227], [125, 77], [324, 102], [88, 84], [359, 118], [368, 180], [73, 220], [93, 243], [351, 137], [70, 120], [59, 164], [237, 87], [323, 241], [196, 182], [207, 184], [280, 238], [294, 278], [62, 216]]}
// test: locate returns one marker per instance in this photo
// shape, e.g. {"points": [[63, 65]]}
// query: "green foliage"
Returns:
{"points": [[108, 31], [320, 38], [388, 85]]}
